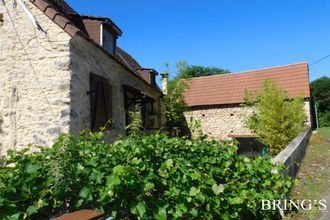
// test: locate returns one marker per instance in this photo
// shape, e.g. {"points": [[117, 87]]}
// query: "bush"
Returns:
{"points": [[146, 177], [321, 96], [324, 119], [176, 105], [277, 120]]}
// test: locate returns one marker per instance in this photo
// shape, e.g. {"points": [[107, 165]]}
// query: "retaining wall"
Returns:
{"points": [[294, 153]]}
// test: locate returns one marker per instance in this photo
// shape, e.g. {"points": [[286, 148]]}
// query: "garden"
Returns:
{"points": [[159, 176], [139, 177]]}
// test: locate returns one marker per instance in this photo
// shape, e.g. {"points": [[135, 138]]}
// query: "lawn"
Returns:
{"points": [[314, 174]]}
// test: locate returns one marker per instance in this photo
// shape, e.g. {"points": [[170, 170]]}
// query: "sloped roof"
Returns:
{"points": [[126, 58], [63, 15], [72, 23], [230, 88], [104, 20], [63, 6]]}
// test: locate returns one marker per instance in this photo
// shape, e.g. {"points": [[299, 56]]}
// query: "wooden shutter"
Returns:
{"points": [[101, 101], [149, 113]]}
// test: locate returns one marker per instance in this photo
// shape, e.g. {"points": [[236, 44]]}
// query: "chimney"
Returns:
{"points": [[164, 82]]}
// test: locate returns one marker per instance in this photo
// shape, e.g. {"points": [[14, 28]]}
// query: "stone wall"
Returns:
{"points": [[87, 58], [34, 78], [220, 122], [44, 80], [294, 153], [308, 112]]}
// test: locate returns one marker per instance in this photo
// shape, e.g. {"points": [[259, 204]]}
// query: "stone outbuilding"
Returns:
{"points": [[63, 72], [216, 100]]}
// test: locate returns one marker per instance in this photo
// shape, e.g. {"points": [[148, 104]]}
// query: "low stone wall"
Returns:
{"points": [[220, 122], [294, 153]]}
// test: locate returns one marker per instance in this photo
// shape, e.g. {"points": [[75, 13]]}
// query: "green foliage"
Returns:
{"points": [[175, 103], [186, 71], [138, 177], [321, 95], [277, 120], [135, 126], [174, 100], [324, 119]]}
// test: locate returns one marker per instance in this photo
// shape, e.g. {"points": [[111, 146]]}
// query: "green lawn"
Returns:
{"points": [[314, 174]]}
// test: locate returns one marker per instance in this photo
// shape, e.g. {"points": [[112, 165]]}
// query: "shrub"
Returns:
{"points": [[324, 119], [175, 104], [138, 177], [277, 120], [321, 95]]}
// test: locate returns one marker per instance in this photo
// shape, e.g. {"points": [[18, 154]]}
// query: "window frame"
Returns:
{"points": [[138, 95], [107, 96]]}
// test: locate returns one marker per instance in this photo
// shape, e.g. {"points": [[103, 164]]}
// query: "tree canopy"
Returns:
{"points": [[321, 96], [186, 71]]}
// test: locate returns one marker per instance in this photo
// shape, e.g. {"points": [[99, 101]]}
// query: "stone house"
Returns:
{"points": [[216, 100], [63, 72]]}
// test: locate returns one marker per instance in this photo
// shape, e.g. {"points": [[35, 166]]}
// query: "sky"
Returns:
{"points": [[238, 35]]}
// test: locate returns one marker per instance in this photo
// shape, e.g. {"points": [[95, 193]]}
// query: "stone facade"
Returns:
{"points": [[86, 59], [34, 78], [220, 122], [44, 80]]}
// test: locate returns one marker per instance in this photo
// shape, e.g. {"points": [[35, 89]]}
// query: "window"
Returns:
{"points": [[108, 40], [249, 146], [148, 113], [101, 101], [133, 98]]}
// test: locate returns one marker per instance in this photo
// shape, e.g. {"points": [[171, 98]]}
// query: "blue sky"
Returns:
{"points": [[238, 35]]}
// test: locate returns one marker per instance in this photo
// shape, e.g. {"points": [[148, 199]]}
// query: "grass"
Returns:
{"points": [[313, 179]]}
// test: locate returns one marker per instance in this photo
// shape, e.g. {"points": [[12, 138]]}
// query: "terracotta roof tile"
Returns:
{"points": [[42, 5], [51, 12], [230, 88], [63, 6], [57, 10], [127, 59], [104, 20], [73, 23]]}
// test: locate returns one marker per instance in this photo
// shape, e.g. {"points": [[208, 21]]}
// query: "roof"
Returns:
{"points": [[62, 14], [63, 6], [127, 59], [230, 88], [73, 23], [106, 21]]}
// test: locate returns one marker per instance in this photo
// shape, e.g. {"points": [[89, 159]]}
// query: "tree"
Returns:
{"points": [[186, 71], [277, 120], [321, 96], [175, 103], [174, 100]]}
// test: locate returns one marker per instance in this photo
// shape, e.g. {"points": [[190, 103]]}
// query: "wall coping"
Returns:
{"points": [[294, 152]]}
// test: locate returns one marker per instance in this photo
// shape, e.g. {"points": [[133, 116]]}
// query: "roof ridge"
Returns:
{"points": [[247, 71]]}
